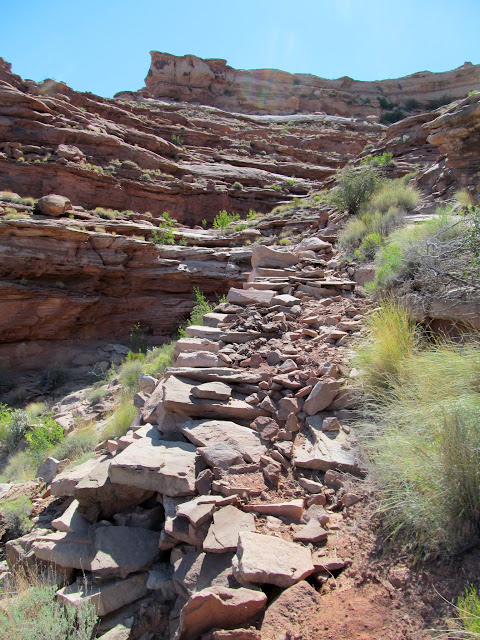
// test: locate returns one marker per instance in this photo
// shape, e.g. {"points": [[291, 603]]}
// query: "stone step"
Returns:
{"points": [[195, 344], [220, 374], [245, 297], [198, 359], [275, 273], [265, 286], [199, 331], [213, 319], [178, 398]]}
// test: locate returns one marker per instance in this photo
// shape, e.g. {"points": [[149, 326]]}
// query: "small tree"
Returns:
{"points": [[354, 187]]}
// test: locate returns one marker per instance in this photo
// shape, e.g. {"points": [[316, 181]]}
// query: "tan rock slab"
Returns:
{"points": [[195, 344], [108, 596], [242, 439], [178, 398], [71, 520], [212, 391], [289, 611], [292, 509], [198, 570], [219, 607], [266, 257], [198, 359], [321, 396], [156, 465], [64, 483], [228, 522], [251, 296], [265, 559]]}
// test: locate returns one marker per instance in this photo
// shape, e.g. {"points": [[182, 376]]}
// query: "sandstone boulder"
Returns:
{"points": [[53, 205], [264, 559], [263, 256], [199, 570], [228, 522], [219, 607], [321, 396], [250, 296], [289, 611]]}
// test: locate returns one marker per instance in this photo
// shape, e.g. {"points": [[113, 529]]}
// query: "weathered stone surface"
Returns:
{"points": [[65, 482], [147, 383], [198, 510], [178, 398], [219, 607], [264, 559], [266, 427], [160, 578], [312, 532], [285, 300], [71, 520], [156, 465], [108, 596], [107, 550], [198, 570], [292, 509], [228, 522], [250, 296], [50, 468], [119, 632], [199, 331], [198, 359], [220, 454], [289, 611], [53, 205], [243, 482], [324, 450], [212, 391], [321, 396], [195, 344], [263, 256], [97, 494], [140, 517], [313, 244], [242, 439]]}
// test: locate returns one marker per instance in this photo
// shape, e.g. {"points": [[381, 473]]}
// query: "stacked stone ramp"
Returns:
{"points": [[222, 486]]}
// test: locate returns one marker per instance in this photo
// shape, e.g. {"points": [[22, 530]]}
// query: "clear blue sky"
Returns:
{"points": [[103, 45]]}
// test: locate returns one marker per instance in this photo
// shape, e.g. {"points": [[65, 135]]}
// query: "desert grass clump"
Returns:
{"points": [[391, 340], [395, 193], [422, 448], [16, 516], [468, 611], [30, 610], [121, 419], [76, 445]]}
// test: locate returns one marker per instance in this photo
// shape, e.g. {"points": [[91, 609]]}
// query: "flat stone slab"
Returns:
{"points": [[107, 597], [71, 520], [64, 483], [212, 391], [219, 374], [162, 466], [264, 559], [198, 510], [198, 570], [285, 300], [199, 331], [195, 344], [198, 359], [251, 296], [289, 611], [228, 522], [324, 450], [292, 509], [321, 396], [219, 454], [178, 398], [219, 607], [107, 550], [242, 439], [98, 495], [213, 319], [266, 257]]}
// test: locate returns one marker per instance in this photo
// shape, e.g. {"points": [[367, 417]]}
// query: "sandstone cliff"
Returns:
{"points": [[192, 79]]}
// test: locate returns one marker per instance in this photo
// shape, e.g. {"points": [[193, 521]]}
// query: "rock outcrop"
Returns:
{"points": [[212, 82]]}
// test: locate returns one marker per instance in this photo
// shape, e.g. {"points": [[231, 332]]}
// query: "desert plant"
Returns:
{"points": [[468, 611], [177, 140], [394, 193], [391, 339], [353, 188], [238, 186], [75, 445], [29, 612], [138, 342], [55, 376], [44, 436], [223, 219], [16, 422], [16, 516], [121, 419], [94, 396], [423, 449]]}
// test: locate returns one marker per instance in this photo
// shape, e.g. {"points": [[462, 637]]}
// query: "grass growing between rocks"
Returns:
{"points": [[31, 611], [468, 611], [422, 435]]}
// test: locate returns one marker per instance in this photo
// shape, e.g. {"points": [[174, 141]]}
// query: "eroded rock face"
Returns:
{"points": [[213, 82]]}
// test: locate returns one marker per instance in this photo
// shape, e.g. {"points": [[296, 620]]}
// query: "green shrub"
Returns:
{"points": [[159, 359], [35, 409], [35, 613], [75, 445], [238, 186], [204, 223], [423, 449], [55, 376], [94, 396], [240, 227], [381, 160], [390, 117], [353, 188], [284, 241], [394, 193], [370, 245], [13, 424], [121, 419], [138, 341], [223, 219], [177, 140], [129, 373], [165, 233], [21, 467], [44, 436], [16, 516]]}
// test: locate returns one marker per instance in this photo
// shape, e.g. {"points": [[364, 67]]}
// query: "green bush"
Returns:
{"points": [[13, 424], [381, 160], [238, 186], [422, 449], [165, 233], [177, 140], [55, 376], [34, 613], [138, 341], [390, 117], [223, 219], [75, 445], [16, 516], [370, 245], [94, 396], [201, 306], [44, 436], [354, 187], [394, 193]]}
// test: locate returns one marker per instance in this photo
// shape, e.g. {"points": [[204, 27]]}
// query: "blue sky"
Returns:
{"points": [[103, 45]]}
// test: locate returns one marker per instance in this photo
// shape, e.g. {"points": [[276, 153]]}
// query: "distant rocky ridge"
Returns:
{"points": [[212, 82]]}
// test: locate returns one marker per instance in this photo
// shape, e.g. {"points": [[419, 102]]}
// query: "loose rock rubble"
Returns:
{"points": [[221, 488]]}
